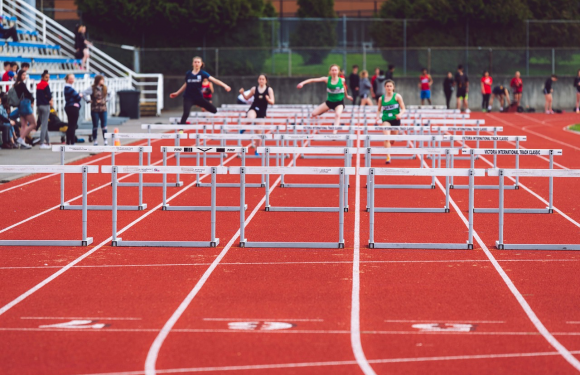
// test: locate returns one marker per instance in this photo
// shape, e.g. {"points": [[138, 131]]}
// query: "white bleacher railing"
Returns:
{"points": [[51, 32]]}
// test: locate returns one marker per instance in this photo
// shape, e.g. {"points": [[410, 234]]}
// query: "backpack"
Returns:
{"points": [[13, 99]]}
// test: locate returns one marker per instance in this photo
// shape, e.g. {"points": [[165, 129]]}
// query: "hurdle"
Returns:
{"points": [[85, 170], [286, 138], [527, 152], [551, 173], [337, 171], [372, 172], [148, 136], [223, 138], [115, 170], [96, 149]]}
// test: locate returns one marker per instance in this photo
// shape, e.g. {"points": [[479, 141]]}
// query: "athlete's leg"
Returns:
{"points": [[320, 110], [337, 113], [577, 101], [459, 103], [252, 115], [201, 102], [187, 104]]}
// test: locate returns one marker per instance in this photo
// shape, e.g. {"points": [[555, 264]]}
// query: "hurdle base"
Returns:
{"points": [[322, 157], [484, 187], [330, 186], [433, 246], [504, 246], [411, 209], [514, 210], [81, 243], [120, 243], [395, 157], [305, 209], [202, 208], [229, 185], [70, 207], [150, 184], [387, 186], [293, 245]]}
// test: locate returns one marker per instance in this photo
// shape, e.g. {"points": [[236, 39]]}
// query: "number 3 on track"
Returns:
{"points": [[76, 324]]}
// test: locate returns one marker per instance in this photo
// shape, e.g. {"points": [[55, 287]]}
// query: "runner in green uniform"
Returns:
{"points": [[390, 111], [336, 90]]}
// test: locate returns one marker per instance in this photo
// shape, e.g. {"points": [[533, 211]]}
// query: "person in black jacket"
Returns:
{"points": [[72, 107], [353, 83], [448, 86], [27, 120], [82, 45]]}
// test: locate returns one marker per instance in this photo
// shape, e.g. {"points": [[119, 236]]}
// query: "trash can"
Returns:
{"points": [[129, 102]]}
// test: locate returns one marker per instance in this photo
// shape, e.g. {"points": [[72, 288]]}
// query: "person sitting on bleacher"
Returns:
{"points": [[8, 32], [82, 45], [9, 72], [5, 125], [25, 66]]}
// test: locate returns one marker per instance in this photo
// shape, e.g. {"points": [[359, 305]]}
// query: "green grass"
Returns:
{"points": [[575, 127]]}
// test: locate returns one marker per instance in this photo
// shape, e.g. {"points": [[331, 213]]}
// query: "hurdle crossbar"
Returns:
{"points": [[85, 170]]}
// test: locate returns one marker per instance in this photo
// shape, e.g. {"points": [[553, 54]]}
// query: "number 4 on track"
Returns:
{"points": [[76, 324], [447, 327]]}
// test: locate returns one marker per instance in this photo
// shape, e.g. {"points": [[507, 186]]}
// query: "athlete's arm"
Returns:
{"points": [[312, 80], [270, 97], [178, 92], [430, 80], [507, 96], [399, 100], [220, 83], [252, 92], [482, 88], [379, 107]]}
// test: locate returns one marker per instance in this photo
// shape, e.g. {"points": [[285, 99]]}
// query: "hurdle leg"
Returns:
{"points": [[371, 209], [141, 207], [499, 242], [433, 166], [346, 179], [85, 241], [114, 208], [551, 193], [177, 161], [242, 205], [494, 155], [471, 198], [164, 207], [62, 204], [341, 209], [214, 241], [517, 184]]}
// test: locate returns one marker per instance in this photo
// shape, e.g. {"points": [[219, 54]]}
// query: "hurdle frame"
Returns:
{"points": [[85, 170], [551, 173]]}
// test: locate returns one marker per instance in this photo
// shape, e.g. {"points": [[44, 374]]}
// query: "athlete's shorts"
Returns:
{"points": [[546, 92], [333, 105], [393, 122], [578, 88], [461, 94], [260, 112], [425, 94], [364, 96]]}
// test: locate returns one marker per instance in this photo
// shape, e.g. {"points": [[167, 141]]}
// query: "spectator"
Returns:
{"points": [[577, 86], [548, 90], [6, 74], [5, 125], [500, 92], [43, 103], [341, 74], [25, 66], [98, 96], [242, 99], [425, 82], [365, 89], [389, 74], [9, 32], [72, 107], [380, 83], [462, 83], [354, 83], [27, 120], [82, 45], [374, 84], [517, 86], [486, 82], [448, 86]]}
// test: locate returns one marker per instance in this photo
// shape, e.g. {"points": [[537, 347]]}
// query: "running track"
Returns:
{"points": [[295, 311]]}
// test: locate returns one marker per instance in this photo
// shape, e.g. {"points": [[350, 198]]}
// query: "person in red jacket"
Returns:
{"points": [[517, 86], [486, 82]]}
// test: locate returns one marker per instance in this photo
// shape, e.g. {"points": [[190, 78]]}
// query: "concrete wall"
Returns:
{"points": [[286, 92]]}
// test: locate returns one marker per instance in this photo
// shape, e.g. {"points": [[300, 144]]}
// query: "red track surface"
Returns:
{"points": [[135, 291]]}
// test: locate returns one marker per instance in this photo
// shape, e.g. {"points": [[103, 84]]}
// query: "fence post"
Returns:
{"points": [[217, 62], [43, 29], [553, 61], [273, 62], [405, 47], [344, 42], [289, 62], [527, 47], [429, 60], [364, 56], [490, 61]]}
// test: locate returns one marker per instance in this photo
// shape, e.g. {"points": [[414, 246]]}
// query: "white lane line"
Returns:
{"points": [[443, 321], [567, 129], [355, 337], [57, 174], [38, 286], [151, 360], [292, 263], [69, 317], [539, 134], [262, 319], [521, 300], [337, 363]]}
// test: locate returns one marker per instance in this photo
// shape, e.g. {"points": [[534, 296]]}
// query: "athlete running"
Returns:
{"points": [[336, 90], [392, 106], [263, 95], [192, 87]]}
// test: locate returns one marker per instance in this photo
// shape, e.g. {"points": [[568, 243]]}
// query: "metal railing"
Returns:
{"points": [[50, 32]]}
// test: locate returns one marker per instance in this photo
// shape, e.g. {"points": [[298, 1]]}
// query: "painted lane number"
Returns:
{"points": [[447, 327], [259, 326], [76, 324]]}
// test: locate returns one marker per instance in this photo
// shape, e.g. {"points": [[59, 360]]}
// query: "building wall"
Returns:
{"points": [[287, 93]]}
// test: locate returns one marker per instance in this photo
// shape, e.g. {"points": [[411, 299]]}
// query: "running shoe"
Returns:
{"points": [[106, 143], [23, 144], [388, 161], [45, 146], [256, 153], [95, 143], [577, 110], [242, 131]]}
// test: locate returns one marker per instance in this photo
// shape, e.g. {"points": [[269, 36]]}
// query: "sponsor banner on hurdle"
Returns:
{"points": [[550, 173], [203, 149], [342, 174], [82, 169], [526, 151]]}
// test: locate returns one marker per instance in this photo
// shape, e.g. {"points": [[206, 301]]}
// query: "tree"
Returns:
{"points": [[315, 33]]}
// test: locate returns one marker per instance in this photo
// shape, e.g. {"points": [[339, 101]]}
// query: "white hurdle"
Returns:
{"points": [[115, 170], [372, 172], [149, 137], [341, 172], [551, 173], [97, 149], [85, 170]]}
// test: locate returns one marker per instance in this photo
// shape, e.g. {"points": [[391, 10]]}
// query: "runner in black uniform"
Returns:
{"points": [[263, 95], [192, 87]]}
